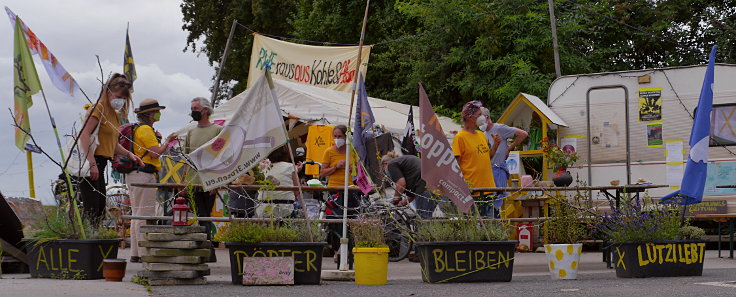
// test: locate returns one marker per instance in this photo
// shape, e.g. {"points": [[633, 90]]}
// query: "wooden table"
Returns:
{"points": [[720, 218]]}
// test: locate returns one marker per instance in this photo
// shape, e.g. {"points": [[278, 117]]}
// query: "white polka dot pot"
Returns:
{"points": [[563, 260]]}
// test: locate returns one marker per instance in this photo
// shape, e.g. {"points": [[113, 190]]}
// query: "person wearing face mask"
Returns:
{"points": [[196, 137], [500, 171], [474, 156], [146, 146], [107, 113], [333, 167]]}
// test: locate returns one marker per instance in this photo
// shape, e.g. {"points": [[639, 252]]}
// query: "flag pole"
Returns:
{"points": [[300, 198], [344, 239], [68, 179], [216, 87], [31, 186]]}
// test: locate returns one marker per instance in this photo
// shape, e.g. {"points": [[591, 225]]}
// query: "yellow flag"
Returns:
{"points": [[26, 84]]}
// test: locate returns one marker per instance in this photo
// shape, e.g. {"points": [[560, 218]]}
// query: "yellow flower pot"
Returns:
{"points": [[371, 265]]}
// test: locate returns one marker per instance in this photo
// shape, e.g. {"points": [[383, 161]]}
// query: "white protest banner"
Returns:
{"points": [[331, 67], [440, 170], [255, 130]]}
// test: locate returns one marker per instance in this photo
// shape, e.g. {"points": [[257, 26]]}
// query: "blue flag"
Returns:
{"points": [[363, 121], [696, 169]]}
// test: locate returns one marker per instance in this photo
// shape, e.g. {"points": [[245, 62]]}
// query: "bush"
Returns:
{"points": [[58, 224], [462, 229], [636, 221], [567, 225], [367, 232], [691, 233], [252, 232]]}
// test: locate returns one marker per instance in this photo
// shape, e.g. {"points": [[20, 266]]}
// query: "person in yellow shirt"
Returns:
{"points": [[146, 146], [333, 167], [471, 150]]}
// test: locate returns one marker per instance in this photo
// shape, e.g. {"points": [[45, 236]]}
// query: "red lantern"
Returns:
{"points": [[180, 213]]}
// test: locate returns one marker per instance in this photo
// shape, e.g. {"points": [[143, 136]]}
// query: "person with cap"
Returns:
{"points": [[146, 146], [196, 137], [471, 150]]}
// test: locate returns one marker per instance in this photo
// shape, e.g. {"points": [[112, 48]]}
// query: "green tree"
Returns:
{"points": [[475, 49], [210, 21]]}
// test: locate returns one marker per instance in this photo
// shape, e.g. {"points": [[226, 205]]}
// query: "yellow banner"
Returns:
{"points": [[331, 67]]}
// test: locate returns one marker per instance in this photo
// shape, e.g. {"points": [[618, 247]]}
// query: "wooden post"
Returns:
{"points": [[216, 87], [344, 239]]}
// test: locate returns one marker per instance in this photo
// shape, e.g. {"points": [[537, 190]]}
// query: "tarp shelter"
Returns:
{"points": [[309, 103]]}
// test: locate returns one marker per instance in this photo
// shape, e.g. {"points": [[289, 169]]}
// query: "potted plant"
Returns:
{"points": [[300, 240], [371, 252], [566, 228], [464, 249], [560, 159], [650, 239], [56, 248]]}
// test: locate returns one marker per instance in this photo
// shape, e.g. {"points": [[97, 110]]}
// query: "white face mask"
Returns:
{"points": [[339, 142], [117, 103], [483, 127], [481, 121]]}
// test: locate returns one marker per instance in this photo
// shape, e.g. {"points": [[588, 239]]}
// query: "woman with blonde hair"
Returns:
{"points": [[115, 98]]}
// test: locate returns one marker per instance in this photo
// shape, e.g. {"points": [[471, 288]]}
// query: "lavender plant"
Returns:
{"points": [[638, 221]]}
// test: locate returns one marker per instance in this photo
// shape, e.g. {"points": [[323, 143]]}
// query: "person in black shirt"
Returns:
{"points": [[406, 173]]}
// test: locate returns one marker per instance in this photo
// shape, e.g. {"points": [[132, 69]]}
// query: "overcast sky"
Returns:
{"points": [[75, 31]]}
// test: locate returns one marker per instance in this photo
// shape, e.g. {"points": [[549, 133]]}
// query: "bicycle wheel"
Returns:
{"points": [[398, 241]]}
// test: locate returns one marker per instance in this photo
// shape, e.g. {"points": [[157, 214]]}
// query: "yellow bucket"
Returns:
{"points": [[371, 265]]}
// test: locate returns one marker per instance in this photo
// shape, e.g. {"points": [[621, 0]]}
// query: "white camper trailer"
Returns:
{"points": [[621, 134]]}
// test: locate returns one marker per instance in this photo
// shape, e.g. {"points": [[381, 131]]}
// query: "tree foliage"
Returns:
{"points": [[474, 49]]}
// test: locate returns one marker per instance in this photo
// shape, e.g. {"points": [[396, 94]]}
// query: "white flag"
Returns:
{"points": [[255, 130]]}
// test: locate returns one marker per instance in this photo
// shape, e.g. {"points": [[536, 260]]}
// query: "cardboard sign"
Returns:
{"points": [[268, 271]]}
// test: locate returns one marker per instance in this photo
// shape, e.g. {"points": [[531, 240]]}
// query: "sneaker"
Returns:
{"points": [[134, 259]]}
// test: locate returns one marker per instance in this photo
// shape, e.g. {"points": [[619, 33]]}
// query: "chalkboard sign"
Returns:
{"points": [[659, 258]]}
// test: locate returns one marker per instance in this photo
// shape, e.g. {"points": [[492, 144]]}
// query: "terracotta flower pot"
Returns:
{"points": [[114, 269]]}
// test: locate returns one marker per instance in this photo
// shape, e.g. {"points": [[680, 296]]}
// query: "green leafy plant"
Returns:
{"points": [[269, 232], [142, 281], [66, 274], [461, 229], [571, 218], [561, 158], [58, 224], [691, 233], [367, 232], [567, 225]]}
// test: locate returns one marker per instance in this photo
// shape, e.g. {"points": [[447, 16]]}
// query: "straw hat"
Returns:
{"points": [[149, 104]]}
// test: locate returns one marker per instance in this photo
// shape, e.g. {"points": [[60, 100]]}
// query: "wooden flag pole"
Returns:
{"points": [[216, 87], [344, 239]]}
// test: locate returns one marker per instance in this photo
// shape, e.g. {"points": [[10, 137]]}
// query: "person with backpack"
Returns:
{"points": [[144, 141]]}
